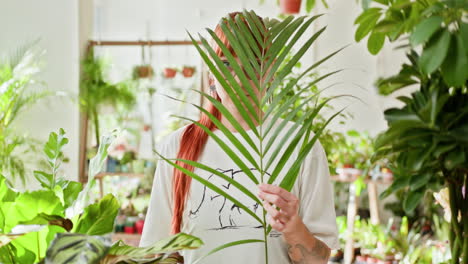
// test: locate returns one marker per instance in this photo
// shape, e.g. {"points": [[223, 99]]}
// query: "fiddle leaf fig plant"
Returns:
{"points": [[258, 66]]}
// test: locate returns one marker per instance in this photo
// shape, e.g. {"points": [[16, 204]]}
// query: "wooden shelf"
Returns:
{"points": [[337, 178], [119, 174]]}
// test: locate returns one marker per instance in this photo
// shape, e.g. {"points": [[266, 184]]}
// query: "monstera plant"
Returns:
{"points": [[261, 48], [427, 138], [58, 224]]}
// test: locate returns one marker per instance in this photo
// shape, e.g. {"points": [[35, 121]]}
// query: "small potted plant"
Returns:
{"points": [[142, 71], [169, 72], [188, 71]]}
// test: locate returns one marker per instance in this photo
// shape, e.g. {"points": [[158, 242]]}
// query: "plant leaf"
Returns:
{"points": [[435, 52], [231, 244], [98, 218], [69, 248], [425, 29]]}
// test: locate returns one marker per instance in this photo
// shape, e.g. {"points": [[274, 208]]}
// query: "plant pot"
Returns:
{"points": [[111, 164], [290, 6], [188, 71], [169, 73], [139, 226], [143, 71]]}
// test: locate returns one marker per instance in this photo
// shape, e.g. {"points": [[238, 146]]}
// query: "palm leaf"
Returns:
{"points": [[258, 61]]}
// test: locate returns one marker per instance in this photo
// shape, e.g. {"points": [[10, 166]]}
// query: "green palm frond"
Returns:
{"points": [[263, 58]]}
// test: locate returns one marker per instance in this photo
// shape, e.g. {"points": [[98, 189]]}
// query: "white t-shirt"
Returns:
{"points": [[217, 221]]}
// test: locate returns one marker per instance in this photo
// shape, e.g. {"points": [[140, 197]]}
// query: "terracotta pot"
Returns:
{"points": [[290, 6], [188, 71], [347, 166], [169, 73]]}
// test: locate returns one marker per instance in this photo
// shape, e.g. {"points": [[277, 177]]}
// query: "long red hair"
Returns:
{"points": [[192, 144]]}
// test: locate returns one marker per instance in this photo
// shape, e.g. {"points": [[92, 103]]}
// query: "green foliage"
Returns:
{"points": [[258, 67], [17, 93], [98, 219], [96, 91], [379, 241], [427, 141], [84, 249], [29, 221], [303, 90], [440, 27], [355, 148]]}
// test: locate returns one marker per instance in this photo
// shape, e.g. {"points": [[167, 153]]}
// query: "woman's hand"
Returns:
{"points": [[285, 219], [283, 208]]}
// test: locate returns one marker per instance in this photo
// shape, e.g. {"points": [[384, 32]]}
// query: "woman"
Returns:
{"points": [[304, 227]]}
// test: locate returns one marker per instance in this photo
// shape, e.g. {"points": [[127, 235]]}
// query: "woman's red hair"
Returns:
{"points": [[192, 144]]}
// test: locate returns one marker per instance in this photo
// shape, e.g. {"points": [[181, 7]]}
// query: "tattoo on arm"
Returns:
{"points": [[299, 254]]}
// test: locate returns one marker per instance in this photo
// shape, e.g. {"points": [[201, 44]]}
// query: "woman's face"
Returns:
{"points": [[225, 98]]}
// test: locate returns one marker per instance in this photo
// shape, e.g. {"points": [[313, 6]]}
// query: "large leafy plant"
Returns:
{"points": [[427, 137], [439, 27], [29, 221], [261, 48], [17, 93], [427, 140]]}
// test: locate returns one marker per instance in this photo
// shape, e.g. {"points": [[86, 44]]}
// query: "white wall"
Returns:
{"points": [[55, 22], [161, 20]]}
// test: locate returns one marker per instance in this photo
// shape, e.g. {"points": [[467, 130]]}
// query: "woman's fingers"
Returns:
{"points": [[274, 199], [273, 189], [275, 214]]}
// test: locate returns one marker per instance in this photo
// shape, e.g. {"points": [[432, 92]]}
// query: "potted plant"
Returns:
{"points": [[169, 72], [142, 72], [294, 6], [188, 71], [96, 91], [145, 70], [290, 6], [426, 137]]}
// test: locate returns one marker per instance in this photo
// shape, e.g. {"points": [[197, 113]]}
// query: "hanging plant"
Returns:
{"points": [[169, 72], [290, 6], [145, 70], [97, 92], [188, 71]]}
